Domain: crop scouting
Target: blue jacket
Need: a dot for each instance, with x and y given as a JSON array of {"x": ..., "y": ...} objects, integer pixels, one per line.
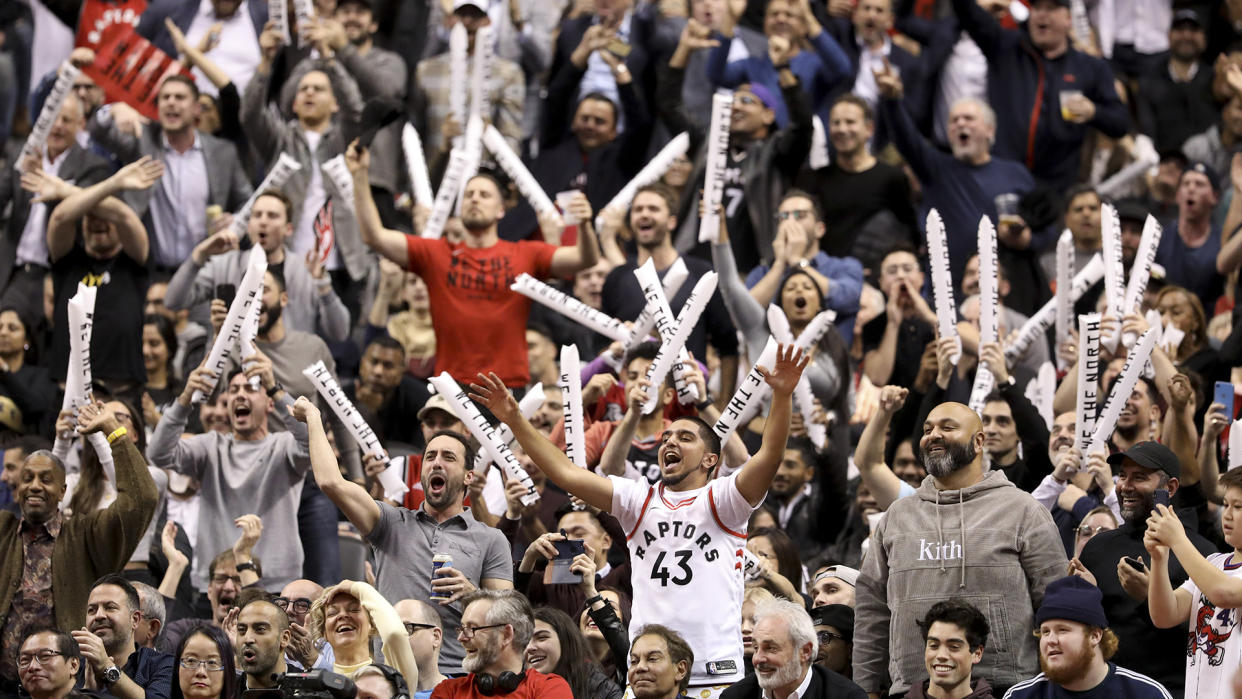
[
  {"x": 1024, "y": 89},
  {"x": 959, "y": 191},
  {"x": 819, "y": 72}
]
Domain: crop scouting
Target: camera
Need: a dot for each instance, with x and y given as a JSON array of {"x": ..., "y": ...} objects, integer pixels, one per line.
[{"x": 316, "y": 684}]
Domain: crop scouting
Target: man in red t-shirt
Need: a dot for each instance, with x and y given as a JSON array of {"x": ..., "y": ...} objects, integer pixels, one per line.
[
  {"x": 480, "y": 323},
  {"x": 495, "y": 627}
]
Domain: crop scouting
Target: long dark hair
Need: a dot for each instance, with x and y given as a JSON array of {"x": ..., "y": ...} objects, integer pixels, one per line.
[
  {"x": 91, "y": 479},
  {"x": 788, "y": 562},
  {"x": 168, "y": 333},
  {"x": 576, "y": 661},
  {"x": 30, "y": 353},
  {"x": 223, "y": 645}
]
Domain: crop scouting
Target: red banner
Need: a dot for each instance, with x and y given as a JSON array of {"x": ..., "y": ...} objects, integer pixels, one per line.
[
  {"x": 99, "y": 18},
  {"x": 131, "y": 69}
]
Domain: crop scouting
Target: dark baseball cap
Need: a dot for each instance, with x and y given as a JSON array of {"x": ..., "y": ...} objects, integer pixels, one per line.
[
  {"x": 1131, "y": 209},
  {"x": 838, "y": 616},
  {"x": 1153, "y": 455},
  {"x": 1203, "y": 169},
  {"x": 1187, "y": 15}
]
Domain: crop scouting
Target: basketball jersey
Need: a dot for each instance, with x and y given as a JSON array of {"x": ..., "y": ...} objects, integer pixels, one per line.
[
  {"x": 1213, "y": 653},
  {"x": 686, "y": 561}
]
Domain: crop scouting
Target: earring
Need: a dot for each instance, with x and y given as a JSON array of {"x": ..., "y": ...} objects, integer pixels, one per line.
[{"x": 26, "y": 346}]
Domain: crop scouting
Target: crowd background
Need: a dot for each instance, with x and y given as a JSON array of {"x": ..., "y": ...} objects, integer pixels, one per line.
[{"x": 851, "y": 120}]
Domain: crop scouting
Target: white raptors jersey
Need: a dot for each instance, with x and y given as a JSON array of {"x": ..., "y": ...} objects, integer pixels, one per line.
[
  {"x": 686, "y": 561},
  {"x": 1213, "y": 653}
]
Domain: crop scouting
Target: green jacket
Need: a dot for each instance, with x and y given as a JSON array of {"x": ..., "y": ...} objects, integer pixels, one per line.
[{"x": 88, "y": 546}]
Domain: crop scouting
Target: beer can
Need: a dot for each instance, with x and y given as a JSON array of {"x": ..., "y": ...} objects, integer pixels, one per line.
[{"x": 438, "y": 561}]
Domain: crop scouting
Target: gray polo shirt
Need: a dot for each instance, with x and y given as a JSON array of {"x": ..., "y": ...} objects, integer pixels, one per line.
[{"x": 405, "y": 542}]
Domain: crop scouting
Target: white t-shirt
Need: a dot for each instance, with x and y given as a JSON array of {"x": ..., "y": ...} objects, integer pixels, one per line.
[
  {"x": 686, "y": 567},
  {"x": 1213, "y": 653}
]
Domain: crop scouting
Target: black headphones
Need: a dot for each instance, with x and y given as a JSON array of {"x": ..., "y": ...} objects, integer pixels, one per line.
[
  {"x": 488, "y": 684},
  {"x": 401, "y": 690}
]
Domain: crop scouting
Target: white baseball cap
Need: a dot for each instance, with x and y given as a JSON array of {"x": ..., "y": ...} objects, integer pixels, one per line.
[{"x": 480, "y": 5}]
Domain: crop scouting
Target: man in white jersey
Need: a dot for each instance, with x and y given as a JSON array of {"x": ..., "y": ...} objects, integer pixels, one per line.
[
  {"x": 685, "y": 549},
  {"x": 1211, "y": 597}
]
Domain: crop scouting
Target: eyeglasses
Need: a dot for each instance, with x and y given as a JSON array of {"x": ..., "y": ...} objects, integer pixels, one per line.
[
  {"x": 747, "y": 99},
  {"x": 826, "y": 637},
  {"x": 468, "y": 631},
  {"x": 222, "y": 578},
  {"x": 301, "y": 605},
  {"x": 212, "y": 665},
  {"x": 1089, "y": 531},
  {"x": 795, "y": 214},
  {"x": 44, "y": 657},
  {"x": 412, "y": 628}
]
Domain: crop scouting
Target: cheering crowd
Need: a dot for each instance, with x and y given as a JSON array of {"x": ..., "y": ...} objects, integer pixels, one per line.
[{"x": 603, "y": 348}]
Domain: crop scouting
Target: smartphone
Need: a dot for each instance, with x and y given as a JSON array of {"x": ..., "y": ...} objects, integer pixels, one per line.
[
  {"x": 1161, "y": 497},
  {"x": 1136, "y": 563},
  {"x": 1224, "y": 396},
  {"x": 557, "y": 572},
  {"x": 226, "y": 292}
]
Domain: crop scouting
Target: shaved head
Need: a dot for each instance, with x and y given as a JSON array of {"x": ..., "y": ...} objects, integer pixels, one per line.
[{"x": 952, "y": 440}]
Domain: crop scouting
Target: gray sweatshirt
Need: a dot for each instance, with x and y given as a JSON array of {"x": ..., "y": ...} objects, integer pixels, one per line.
[
  {"x": 262, "y": 477},
  {"x": 307, "y": 310},
  {"x": 989, "y": 544}
]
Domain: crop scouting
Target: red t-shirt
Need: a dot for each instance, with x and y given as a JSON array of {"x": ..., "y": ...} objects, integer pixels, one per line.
[
  {"x": 480, "y": 323},
  {"x": 536, "y": 685}
]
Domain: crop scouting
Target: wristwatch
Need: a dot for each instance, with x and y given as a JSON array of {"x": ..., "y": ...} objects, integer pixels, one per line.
[
  {"x": 248, "y": 565},
  {"x": 111, "y": 675},
  {"x": 276, "y": 388}
]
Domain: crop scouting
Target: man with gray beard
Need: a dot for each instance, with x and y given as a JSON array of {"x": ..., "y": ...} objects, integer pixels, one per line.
[
  {"x": 786, "y": 646},
  {"x": 966, "y": 532}
]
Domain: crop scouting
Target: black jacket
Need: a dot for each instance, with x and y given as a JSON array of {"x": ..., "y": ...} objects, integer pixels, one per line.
[
  {"x": 825, "y": 683},
  {"x": 1159, "y": 653}
]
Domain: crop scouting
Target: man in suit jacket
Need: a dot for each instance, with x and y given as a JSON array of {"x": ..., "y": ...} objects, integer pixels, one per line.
[
  {"x": 23, "y": 247},
  {"x": 785, "y": 650},
  {"x": 200, "y": 171}
]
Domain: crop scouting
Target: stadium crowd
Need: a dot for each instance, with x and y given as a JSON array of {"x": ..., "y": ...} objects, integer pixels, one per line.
[{"x": 283, "y": 395}]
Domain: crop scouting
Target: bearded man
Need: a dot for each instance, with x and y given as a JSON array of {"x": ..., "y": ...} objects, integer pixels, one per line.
[{"x": 966, "y": 533}]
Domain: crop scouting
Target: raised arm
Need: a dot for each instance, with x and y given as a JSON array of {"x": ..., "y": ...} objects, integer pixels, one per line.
[
  {"x": 567, "y": 260},
  {"x": 359, "y": 508},
  {"x": 1214, "y": 422},
  {"x": 192, "y": 56},
  {"x": 391, "y": 631},
  {"x": 594, "y": 490},
  {"x": 98, "y": 200},
  {"x": 612, "y": 462},
  {"x": 880, "y": 480},
  {"x": 755, "y": 477},
  {"x": 385, "y": 241},
  {"x": 1165, "y": 530}
]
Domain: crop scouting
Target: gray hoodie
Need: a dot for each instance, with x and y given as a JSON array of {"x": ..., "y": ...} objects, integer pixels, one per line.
[{"x": 990, "y": 544}]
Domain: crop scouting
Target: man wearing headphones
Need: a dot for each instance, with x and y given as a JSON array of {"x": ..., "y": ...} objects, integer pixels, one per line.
[{"x": 495, "y": 627}]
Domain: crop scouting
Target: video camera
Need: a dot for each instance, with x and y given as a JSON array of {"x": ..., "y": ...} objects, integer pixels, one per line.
[{"x": 316, "y": 684}]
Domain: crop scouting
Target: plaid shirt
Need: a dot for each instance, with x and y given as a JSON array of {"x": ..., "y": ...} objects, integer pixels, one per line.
[{"x": 507, "y": 98}]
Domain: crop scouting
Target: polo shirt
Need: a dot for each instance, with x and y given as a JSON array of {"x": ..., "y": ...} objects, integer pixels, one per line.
[{"x": 405, "y": 541}]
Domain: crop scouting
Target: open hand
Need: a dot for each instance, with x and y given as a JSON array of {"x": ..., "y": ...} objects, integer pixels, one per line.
[
  {"x": 251, "y": 529},
  {"x": 492, "y": 394},
  {"x": 787, "y": 370},
  {"x": 140, "y": 174}
]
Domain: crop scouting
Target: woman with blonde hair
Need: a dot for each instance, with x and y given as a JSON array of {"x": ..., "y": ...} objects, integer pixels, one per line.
[{"x": 347, "y": 615}]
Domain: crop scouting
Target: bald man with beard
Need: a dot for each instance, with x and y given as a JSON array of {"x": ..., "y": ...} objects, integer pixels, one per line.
[{"x": 968, "y": 533}]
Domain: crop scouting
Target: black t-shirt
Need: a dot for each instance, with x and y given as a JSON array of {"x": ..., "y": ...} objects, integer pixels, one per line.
[
  {"x": 849, "y": 200},
  {"x": 737, "y": 215},
  {"x": 116, "y": 336},
  {"x": 912, "y": 340},
  {"x": 622, "y": 298}
]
